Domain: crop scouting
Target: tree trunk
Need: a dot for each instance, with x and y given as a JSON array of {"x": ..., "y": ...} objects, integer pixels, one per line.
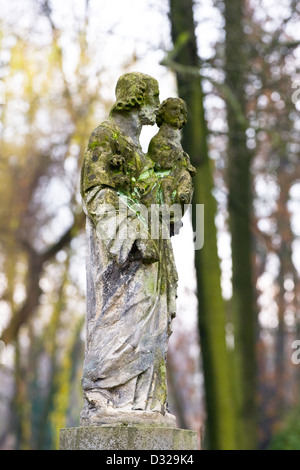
[
  {"x": 239, "y": 207},
  {"x": 219, "y": 406}
]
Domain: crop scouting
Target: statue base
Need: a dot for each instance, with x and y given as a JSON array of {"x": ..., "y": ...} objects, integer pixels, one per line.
[
  {"x": 117, "y": 417},
  {"x": 127, "y": 438}
]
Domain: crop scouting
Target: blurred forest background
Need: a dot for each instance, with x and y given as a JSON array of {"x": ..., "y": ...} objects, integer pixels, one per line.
[{"x": 233, "y": 366}]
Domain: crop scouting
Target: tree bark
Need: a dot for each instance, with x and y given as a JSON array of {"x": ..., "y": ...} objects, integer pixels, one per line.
[{"x": 240, "y": 208}]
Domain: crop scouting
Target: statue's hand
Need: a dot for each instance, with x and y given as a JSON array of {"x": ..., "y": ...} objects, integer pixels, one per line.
[
  {"x": 147, "y": 250},
  {"x": 117, "y": 161},
  {"x": 184, "y": 197}
]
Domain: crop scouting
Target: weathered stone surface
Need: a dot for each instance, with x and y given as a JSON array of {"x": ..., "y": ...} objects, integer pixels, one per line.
[
  {"x": 117, "y": 417},
  {"x": 172, "y": 164},
  {"x": 127, "y": 438},
  {"x": 131, "y": 279}
]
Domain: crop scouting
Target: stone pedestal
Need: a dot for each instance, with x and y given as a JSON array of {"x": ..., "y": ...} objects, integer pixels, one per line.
[{"x": 127, "y": 438}]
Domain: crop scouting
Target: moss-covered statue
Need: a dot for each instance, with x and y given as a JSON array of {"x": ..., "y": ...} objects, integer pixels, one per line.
[
  {"x": 172, "y": 164},
  {"x": 131, "y": 275}
]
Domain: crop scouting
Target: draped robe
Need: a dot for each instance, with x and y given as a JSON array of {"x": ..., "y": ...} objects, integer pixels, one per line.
[{"x": 131, "y": 282}]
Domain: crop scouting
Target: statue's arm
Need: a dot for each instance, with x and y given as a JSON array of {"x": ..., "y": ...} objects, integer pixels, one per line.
[
  {"x": 119, "y": 227},
  {"x": 117, "y": 223}
]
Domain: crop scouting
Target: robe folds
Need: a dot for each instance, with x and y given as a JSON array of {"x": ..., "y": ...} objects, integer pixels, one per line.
[{"x": 131, "y": 283}]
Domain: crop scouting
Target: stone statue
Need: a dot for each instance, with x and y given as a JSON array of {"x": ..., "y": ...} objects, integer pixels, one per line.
[
  {"x": 172, "y": 164},
  {"x": 131, "y": 279}
]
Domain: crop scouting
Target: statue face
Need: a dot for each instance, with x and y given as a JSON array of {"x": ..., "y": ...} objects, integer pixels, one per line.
[
  {"x": 178, "y": 118},
  {"x": 150, "y": 107},
  {"x": 176, "y": 115}
]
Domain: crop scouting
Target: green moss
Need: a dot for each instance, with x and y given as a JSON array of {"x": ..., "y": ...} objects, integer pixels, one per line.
[
  {"x": 151, "y": 284},
  {"x": 93, "y": 145},
  {"x": 160, "y": 392},
  {"x": 162, "y": 173},
  {"x": 144, "y": 176},
  {"x": 159, "y": 196},
  {"x": 131, "y": 91}
]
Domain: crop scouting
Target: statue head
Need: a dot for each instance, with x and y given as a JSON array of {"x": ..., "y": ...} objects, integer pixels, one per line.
[
  {"x": 135, "y": 90},
  {"x": 172, "y": 111}
]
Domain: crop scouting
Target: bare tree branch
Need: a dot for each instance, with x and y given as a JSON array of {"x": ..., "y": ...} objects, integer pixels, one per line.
[{"x": 35, "y": 271}]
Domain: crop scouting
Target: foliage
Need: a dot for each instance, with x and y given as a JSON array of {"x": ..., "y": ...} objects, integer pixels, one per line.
[{"x": 288, "y": 437}]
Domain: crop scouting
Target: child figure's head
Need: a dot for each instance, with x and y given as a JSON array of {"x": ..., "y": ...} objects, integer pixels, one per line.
[{"x": 172, "y": 111}]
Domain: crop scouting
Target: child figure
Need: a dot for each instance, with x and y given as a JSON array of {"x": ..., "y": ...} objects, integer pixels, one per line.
[{"x": 172, "y": 164}]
